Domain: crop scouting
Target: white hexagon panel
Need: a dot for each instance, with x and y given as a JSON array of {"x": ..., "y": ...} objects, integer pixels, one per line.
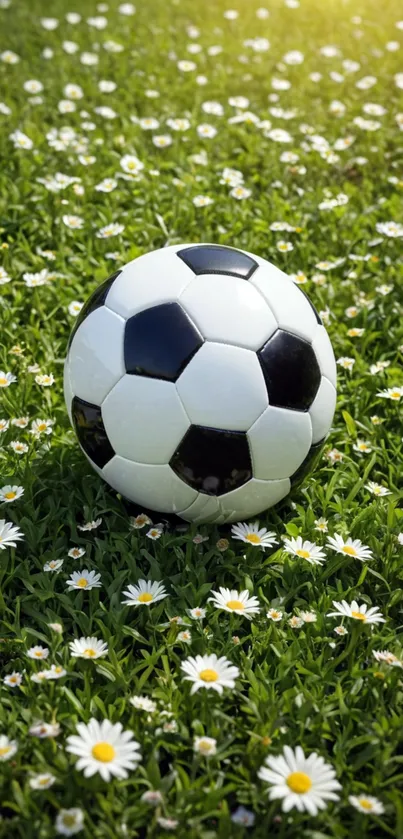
[
  {"x": 229, "y": 310},
  {"x": 149, "y": 281},
  {"x": 223, "y": 387},
  {"x": 96, "y": 355},
  {"x": 144, "y": 419}
]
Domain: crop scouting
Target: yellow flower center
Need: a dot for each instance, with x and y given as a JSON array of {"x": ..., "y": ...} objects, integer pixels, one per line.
[
  {"x": 4, "y": 750},
  {"x": 3, "y": 380},
  {"x": 58, "y": 669},
  {"x": 44, "y": 781},
  {"x": 299, "y": 782},
  {"x": 253, "y": 538},
  {"x": 359, "y": 616},
  {"x": 394, "y": 395},
  {"x": 89, "y": 652},
  {"x": 82, "y": 582},
  {"x": 69, "y": 821},
  {"x": 38, "y": 653},
  {"x": 349, "y": 550},
  {"x": 103, "y": 752},
  {"x": 304, "y": 554},
  {"x": 42, "y": 426},
  {"x": 275, "y": 614},
  {"x": 145, "y": 597},
  {"x": 10, "y": 495},
  {"x": 235, "y": 604},
  {"x": 205, "y": 746},
  {"x": 208, "y": 675},
  {"x": 367, "y": 805}
]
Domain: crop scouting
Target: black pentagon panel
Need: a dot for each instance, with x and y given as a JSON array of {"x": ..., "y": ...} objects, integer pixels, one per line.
[
  {"x": 217, "y": 259},
  {"x": 315, "y": 311},
  {"x": 308, "y": 464},
  {"x": 159, "y": 342},
  {"x": 96, "y": 300},
  {"x": 91, "y": 432},
  {"x": 291, "y": 371},
  {"x": 213, "y": 461}
]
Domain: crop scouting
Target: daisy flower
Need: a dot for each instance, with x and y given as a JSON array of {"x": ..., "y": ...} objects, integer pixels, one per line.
[
  {"x": 387, "y": 657},
  {"x": 38, "y": 652},
  {"x": 7, "y": 379},
  {"x": 105, "y": 748},
  {"x": 377, "y": 489},
  {"x": 362, "y": 446},
  {"x": 346, "y": 362},
  {"x": 251, "y": 534},
  {"x": 57, "y": 627},
  {"x": 13, "y": 680},
  {"x": 274, "y": 615},
  {"x": 349, "y": 547},
  {"x": 295, "y": 622},
  {"x": 42, "y": 781},
  {"x": 8, "y": 747},
  {"x": 321, "y": 525},
  {"x": 56, "y": 671},
  {"x": 144, "y": 593},
  {"x": 109, "y": 230},
  {"x": 308, "y": 617},
  {"x": 185, "y": 636},
  {"x": 69, "y": 822},
  {"x": 44, "y": 729},
  {"x": 367, "y": 804},
  {"x": 88, "y": 647},
  {"x": 139, "y": 521},
  {"x": 53, "y": 565},
  {"x": 89, "y": 525},
  {"x": 38, "y": 677},
  {"x": 208, "y": 671},
  {"x": 45, "y": 379},
  {"x": 9, "y": 535},
  {"x": 233, "y": 601},
  {"x": 73, "y": 222},
  {"x": 202, "y": 200},
  {"x": 10, "y": 493},
  {"x": 131, "y": 164},
  {"x": 341, "y": 630},
  {"x": 84, "y": 579},
  {"x": 307, "y": 550},
  {"x": 197, "y": 613},
  {"x": 206, "y": 746},
  {"x": 394, "y": 393},
  {"x": 20, "y": 422},
  {"x": 143, "y": 703},
  {"x": 18, "y": 447},
  {"x": 358, "y": 613},
  {"x": 199, "y": 539},
  {"x": 306, "y": 783},
  {"x": 154, "y": 533},
  {"x": 41, "y": 426},
  {"x": 76, "y": 553}
]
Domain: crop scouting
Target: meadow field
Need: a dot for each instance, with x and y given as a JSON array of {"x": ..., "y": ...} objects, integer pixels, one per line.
[{"x": 209, "y": 683}]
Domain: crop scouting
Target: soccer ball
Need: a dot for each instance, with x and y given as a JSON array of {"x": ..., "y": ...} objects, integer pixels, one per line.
[{"x": 200, "y": 381}]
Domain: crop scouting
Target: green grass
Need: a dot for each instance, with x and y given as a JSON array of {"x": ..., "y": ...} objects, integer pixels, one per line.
[{"x": 303, "y": 686}]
